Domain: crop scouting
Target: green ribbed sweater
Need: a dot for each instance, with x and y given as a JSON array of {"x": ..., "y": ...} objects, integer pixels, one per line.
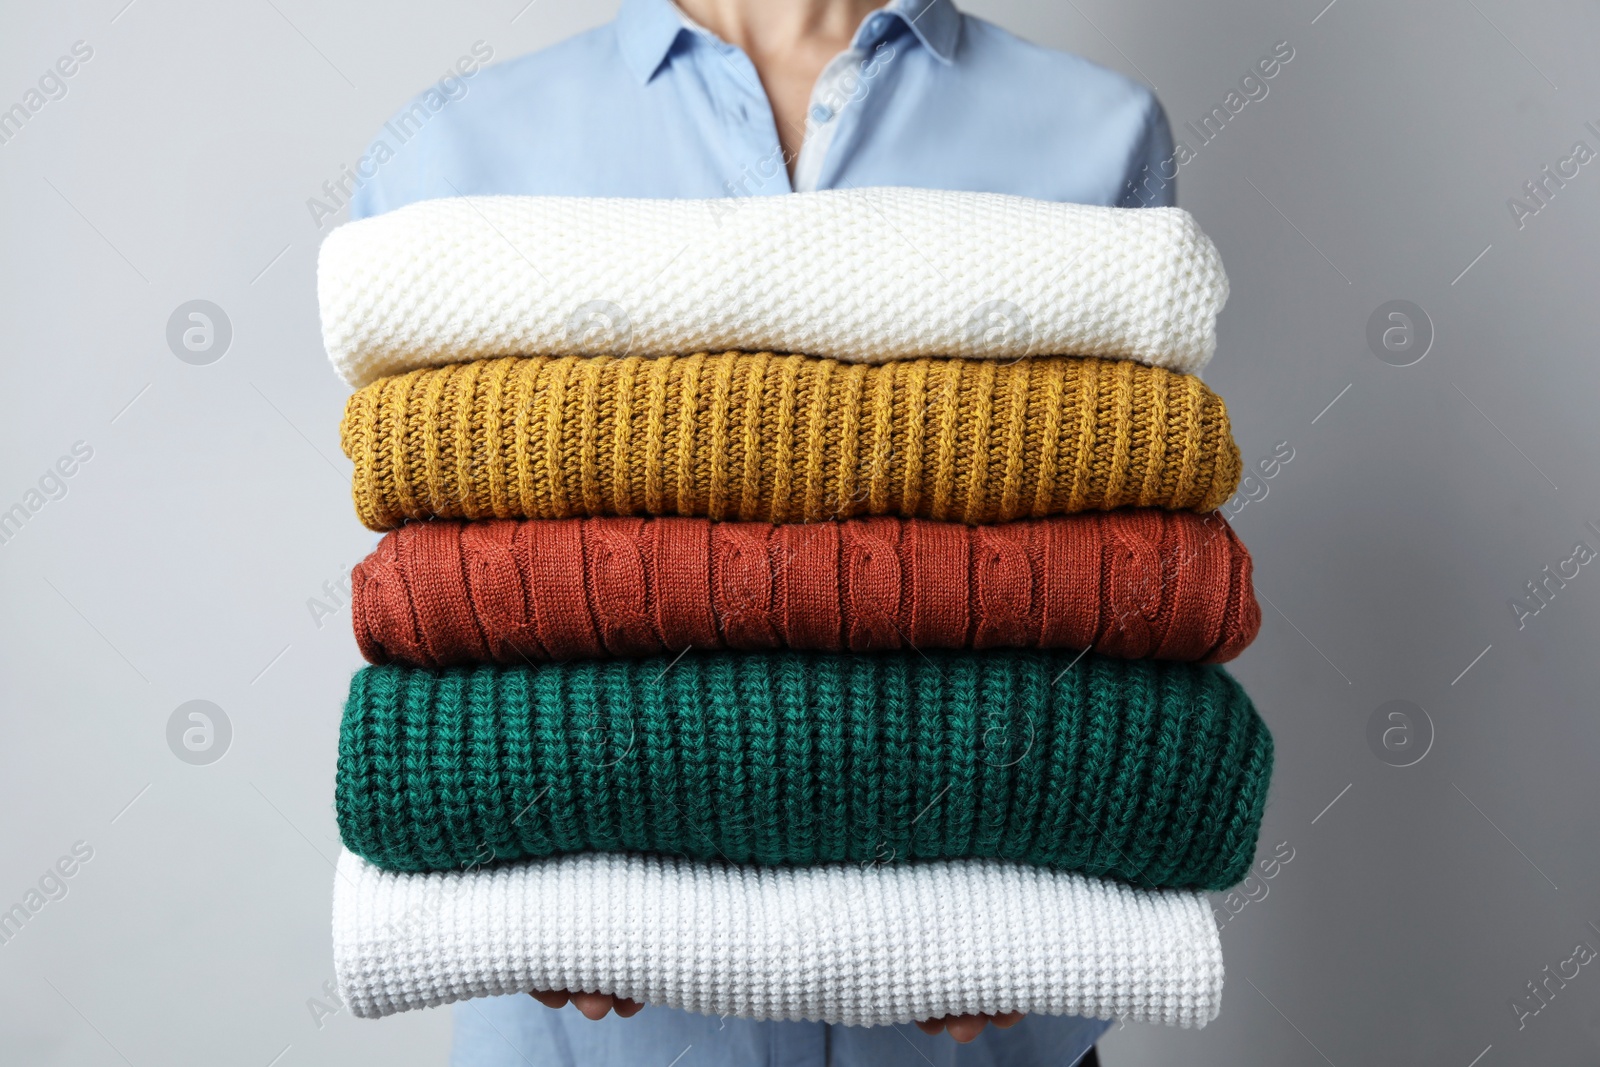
[{"x": 1148, "y": 771}]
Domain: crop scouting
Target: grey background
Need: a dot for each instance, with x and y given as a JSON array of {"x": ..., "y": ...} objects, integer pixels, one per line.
[{"x": 179, "y": 564}]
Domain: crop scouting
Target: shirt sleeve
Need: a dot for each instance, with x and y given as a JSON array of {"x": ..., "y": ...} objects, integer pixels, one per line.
[
  {"x": 1152, "y": 169},
  {"x": 396, "y": 177},
  {"x": 401, "y": 164}
]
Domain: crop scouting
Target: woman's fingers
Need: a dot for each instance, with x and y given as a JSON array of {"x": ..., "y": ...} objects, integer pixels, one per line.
[
  {"x": 966, "y": 1027},
  {"x": 551, "y": 998},
  {"x": 963, "y": 1028},
  {"x": 593, "y": 1005}
]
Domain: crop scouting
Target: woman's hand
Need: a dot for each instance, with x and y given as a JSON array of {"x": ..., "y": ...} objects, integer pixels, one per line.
[
  {"x": 966, "y": 1027},
  {"x": 963, "y": 1028},
  {"x": 593, "y": 1005}
]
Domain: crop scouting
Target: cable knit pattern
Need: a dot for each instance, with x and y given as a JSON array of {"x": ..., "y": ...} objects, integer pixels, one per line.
[
  {"x": 785, "y": 439},
  {"x": 858, "y": 945},
  {"x": 1136, "y": 583},
  {"x": 864, "y": 275},
  {"x": 1148, "y": 771}
]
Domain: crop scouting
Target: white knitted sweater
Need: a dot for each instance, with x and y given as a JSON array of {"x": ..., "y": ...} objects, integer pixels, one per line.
[
  {"x": 865, "y": 275},
  {"x": 840, "y": 943}
]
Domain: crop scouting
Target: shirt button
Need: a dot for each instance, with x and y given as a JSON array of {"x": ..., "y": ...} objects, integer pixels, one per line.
[{"x": 821, "y": 113}]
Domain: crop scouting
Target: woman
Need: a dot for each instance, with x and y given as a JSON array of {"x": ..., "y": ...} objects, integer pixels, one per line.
[{"x": 715, "y": 98}]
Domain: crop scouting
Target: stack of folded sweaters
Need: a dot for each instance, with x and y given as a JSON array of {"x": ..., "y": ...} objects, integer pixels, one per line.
[{"x": 814, "y": 612}]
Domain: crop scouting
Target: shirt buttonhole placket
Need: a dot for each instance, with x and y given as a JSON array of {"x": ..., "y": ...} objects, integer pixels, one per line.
[{"x": 828, "y": 101}]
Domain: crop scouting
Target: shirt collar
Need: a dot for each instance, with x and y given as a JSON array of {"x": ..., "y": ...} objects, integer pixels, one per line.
[
  {"x": 936, "y": 23},
  {"x": 647, "y": 30}
]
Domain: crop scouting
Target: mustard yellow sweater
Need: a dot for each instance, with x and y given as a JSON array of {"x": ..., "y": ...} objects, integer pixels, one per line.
[{"x": 784, "y": 439}]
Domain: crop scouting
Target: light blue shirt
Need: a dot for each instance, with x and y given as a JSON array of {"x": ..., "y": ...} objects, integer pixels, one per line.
[
  {"x": 651, "y": 105},
  {"x": 647, "y": 105}
]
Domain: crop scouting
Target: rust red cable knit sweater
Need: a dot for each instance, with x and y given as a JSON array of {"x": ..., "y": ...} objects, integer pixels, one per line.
[{"x": 1134, "y": 584}]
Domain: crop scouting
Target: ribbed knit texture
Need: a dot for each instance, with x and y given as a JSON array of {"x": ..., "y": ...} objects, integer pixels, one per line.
[
  {"x": 859, "y": 944},
  {"x": 1135, "y": 583},
  {"x": 855, "y": 274},
  {"x": 785, "y": 439},
  {"x": 1152, "y": 772}
]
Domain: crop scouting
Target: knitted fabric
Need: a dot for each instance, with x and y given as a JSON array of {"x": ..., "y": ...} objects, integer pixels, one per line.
[
  {"x": 1149, "y": 771},
  {"x": 860, "y": 945},
  {"x": 785, "y": 439},
  {"x": 864, "y": 275},
  {"x": 1136, "y": 583}
]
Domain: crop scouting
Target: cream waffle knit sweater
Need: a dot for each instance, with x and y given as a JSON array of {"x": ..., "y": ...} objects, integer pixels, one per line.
[
  {"x": 864, "y": 275},
  {"x": 867, "y": 945}
]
